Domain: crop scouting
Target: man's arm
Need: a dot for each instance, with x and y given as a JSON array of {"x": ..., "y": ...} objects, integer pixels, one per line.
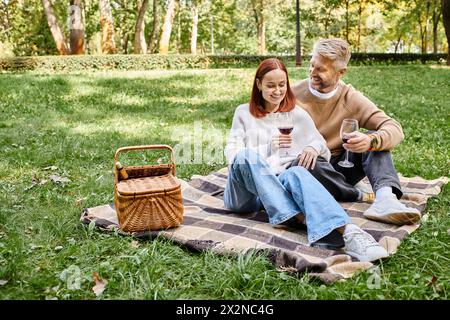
[{"x": 389, "y": 132}]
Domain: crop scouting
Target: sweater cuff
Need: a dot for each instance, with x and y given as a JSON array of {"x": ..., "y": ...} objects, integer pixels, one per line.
[{"x": 320, "y": 149}]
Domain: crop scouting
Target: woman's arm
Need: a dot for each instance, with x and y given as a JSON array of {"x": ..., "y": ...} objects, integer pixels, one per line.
[{"x": 239, "y": 135}]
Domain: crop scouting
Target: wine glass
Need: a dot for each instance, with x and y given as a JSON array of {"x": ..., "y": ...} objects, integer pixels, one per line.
[
  {"x": 285, "y": 125},
  {"x": 348, "y": 126}
]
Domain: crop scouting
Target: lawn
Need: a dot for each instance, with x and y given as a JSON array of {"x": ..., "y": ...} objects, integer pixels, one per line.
[{"x": 67, "y": 127}]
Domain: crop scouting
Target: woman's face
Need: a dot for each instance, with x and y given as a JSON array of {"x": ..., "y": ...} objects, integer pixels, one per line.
[{"x": 273, "y": 86}]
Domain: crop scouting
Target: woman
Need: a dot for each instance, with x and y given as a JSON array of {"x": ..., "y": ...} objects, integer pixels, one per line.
[{"x": 259, "y": 173}]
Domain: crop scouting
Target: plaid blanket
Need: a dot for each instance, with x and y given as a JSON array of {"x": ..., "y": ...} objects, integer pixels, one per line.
[{"x": 209, "y": 226}]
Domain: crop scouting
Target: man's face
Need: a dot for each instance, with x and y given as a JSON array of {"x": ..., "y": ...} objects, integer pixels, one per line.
[{"x": 323, "y": 74}]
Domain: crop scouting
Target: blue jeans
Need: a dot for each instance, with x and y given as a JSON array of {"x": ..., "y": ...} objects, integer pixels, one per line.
[{"x": 252, "y": 186}]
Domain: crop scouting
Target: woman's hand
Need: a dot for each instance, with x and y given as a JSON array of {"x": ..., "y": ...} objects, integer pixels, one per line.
[
  {"x": 308, "y": 158},
  {"x": 281, "y": 141}
]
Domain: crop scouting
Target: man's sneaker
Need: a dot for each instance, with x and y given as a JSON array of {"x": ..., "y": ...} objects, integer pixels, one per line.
[
  {"x": 390, "y": 210},
  {"x": 361, "y": 245}
]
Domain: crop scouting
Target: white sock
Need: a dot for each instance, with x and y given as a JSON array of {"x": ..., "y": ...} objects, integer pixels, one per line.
[
  {"x": 383, "y": 192},
  {"x": 360, "y": 195}
]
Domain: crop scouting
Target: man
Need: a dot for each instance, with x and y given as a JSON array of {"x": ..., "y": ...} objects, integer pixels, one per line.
[{"x": 329, "y": 101}]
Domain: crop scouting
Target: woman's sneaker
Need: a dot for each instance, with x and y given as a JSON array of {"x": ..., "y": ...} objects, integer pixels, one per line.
[
  {"x": 361, "y": 245},
  {"x": 390, "y": 210}
]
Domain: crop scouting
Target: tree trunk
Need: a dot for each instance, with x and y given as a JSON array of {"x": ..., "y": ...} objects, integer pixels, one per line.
[
  {"x": 152, "y": 41},
  {"x": 140, "y": 46},
  {"x": 427, "y": 21},
  {"x": 6, "y": 22},
  {"x": 77, "y": 45},
  {"x": 446, "y": 20},
  {"x": 346, "y": 21},
  {"x": 194, "y": 30},
  {"x": 258, "y": 7},
  {"x": 167, "y": 27},
  {"x": 436, "y": 17},
  {"x": 397, "y": 43},
  {"x": 54, "y": 28},
  {"x": 360, "y": 11},
  {"x": 211, "y": 31},
  {"x": 107, "y": 26}
]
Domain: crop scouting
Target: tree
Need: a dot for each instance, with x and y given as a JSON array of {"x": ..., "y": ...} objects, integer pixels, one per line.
[
  {"x": 446, "y": 20},
  {"x": 194, "y": 29},
  {"x": 54, "y": 28},
  {"x": 140, "y": 46},
  {"x": 258, "y": 9},
  {"x": 76, "y": 28},
  {"x": 437, "y": 11},
  {"x": 153, "y": 39},
  {"x": 167, "y": 27},
  {"x": 107, "y": 27}
]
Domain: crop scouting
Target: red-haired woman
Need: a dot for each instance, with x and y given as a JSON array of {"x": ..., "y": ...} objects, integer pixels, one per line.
[{"x": 261, "y": 177}]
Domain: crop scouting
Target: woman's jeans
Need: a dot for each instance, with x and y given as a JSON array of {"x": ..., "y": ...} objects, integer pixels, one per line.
[{"x": 252, "y": 186}]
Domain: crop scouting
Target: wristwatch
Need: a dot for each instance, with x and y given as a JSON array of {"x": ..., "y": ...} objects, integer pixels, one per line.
[{"x": 374, "y": 142}]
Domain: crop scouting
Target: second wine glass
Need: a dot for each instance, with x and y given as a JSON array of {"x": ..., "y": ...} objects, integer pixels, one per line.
[{"x": 348, "y": 126}]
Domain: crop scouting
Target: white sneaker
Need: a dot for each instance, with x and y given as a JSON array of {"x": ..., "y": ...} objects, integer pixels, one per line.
[
  {"x": 361, "y": 245},
  {"x": 390, "y": 210}
]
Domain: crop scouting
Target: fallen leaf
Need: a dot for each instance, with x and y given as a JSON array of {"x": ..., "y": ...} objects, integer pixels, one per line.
[
  {"x": 57, "y": 179},
  {"x": 100, "y": 284},
  {"x": 135, "y": 244},
  {"x": 3, "y": 282},
  {"x": 287, "y": 269},
  {"x": 432, "y": 281},
  {"x": 79, "y": 201},
  {"x": 52, "y": 168}
]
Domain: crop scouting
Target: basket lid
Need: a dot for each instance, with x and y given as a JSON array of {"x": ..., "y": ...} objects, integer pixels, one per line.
[{"x": 147, "y": 185}]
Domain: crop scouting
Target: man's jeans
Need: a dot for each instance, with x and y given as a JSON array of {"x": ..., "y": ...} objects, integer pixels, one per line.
[
  {"x": 376, "y": 165},
  {"x": 252, "y": 186}
]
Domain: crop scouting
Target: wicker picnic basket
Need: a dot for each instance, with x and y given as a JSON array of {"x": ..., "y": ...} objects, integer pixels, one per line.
[{"x": 147, "y": 197}]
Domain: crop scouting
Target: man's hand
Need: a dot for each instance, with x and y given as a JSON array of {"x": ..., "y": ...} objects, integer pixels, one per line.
[
  {"x": 358, "y": 142},
  {"x": 308, "y": 158},
  {"x": 281, "y": 141}
]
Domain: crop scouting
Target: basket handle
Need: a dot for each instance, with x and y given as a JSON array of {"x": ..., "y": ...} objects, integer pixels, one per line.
[{"x": 147, "y": 147}]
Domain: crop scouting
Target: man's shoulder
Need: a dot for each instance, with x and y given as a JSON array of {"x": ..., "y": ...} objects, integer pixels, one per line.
[
  {"x": 299, "y": 87},
  {"x": 354, "y": 97}
]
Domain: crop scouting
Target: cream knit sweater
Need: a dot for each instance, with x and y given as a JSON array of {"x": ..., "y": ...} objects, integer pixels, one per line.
[{"x": 256, "y": 134}]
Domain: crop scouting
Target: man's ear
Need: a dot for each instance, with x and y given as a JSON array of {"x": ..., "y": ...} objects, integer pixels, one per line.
[{"x": 342, "y": 72}]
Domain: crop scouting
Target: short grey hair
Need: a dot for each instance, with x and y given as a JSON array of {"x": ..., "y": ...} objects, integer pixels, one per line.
[{"x": 334, "y": 49}]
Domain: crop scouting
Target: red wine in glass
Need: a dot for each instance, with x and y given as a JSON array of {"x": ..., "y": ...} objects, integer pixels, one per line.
[
  {"x": 348, "y": 126},
  {"x": 345, "y": 138},
  {"x": 286, "y": 130}
]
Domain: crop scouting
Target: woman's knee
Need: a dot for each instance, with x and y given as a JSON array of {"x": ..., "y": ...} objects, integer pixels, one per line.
[{"x": 246, "y": 156}]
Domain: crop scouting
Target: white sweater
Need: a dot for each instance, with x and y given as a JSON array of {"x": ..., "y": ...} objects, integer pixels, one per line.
[{"x": 256, "y": 134}]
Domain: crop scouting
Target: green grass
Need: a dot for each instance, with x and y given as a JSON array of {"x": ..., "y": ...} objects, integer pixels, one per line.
[{"x": 75, "y": 122}]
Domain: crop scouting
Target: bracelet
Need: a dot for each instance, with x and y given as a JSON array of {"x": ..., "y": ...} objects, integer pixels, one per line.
[{"x": 374, "y": 142}]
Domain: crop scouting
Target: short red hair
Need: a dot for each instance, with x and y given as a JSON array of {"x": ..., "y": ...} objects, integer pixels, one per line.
[{"x": 257, "y": 100}]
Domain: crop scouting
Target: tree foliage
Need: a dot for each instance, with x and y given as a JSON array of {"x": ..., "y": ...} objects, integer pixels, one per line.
[{"x": 228, "y": 26}]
